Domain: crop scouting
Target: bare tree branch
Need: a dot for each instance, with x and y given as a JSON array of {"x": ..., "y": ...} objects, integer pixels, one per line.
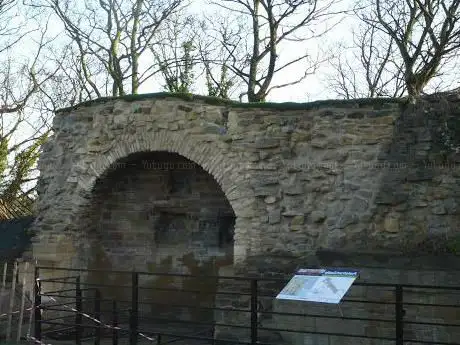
[
  {"x": 269, "y": 24},
  {"x": 110, "y": 37},
  {"x": 426, "y": 34}
]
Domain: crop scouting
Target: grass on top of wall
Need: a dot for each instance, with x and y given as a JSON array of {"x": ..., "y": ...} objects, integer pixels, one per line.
[{"x": 342, "y": 103}]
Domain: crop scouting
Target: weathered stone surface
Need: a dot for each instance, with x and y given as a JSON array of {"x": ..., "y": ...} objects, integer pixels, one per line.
[
  {"x": 351, "y": 177},
  {"x": 318, "y": 216},
  {"x": 270, "y": 199},
  {"x": 298, "y": 220},
  {"x": 391, "y": 223},
  {"x": 293, "y": 190},
  {"x": 274, "y": 217},
  {"x": 267, "y": 143},
  {"x": 264, "y": 191},
  {"x": 292, "y": 213},
  {"x": 360, "y": 176}
]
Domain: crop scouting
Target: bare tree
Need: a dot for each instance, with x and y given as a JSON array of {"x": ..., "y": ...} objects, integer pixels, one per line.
[
  {"x": 218, "y": 84},
  {"x": 10, "y": 32},
  {"x": 20, "y": 77},
  {"x": 110, "y": 38},
  {"x": 270, "y": 24},
  {"x": 176, "y": 54},
  {"x": 217, "y": 57},
  {"x": 426, "y": 33},
  {"x": 371, "y": 67},
  {"x": 22, "y": 73},
  {"x": 186, "y": 52}
]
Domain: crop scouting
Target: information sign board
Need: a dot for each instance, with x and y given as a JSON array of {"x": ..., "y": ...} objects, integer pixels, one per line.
[{"x": 319, "y": 285}]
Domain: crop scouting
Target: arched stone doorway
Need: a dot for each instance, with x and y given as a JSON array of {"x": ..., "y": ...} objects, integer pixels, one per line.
[
  {"x": 71, "y": 165},
  {"x": 159, "y": 211},
  {"x": 225, "y": 173}
]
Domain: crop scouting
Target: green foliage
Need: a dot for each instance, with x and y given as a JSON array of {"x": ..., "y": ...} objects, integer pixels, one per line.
[
  {"x": 180, "y": 77},
  {"x": 453, "y": 245},
  {"x": 222, "y": 88},
  {"x": 18, "y": 173},
  {"x": 3, "y": 156}
]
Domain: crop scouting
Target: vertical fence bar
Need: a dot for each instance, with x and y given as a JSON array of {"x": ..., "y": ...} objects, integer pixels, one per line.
[
  {"x": 134, "y": 321},
  {"x": 114, "y": 323},
  {"x": 399, "y": 311},
  {"x": 97, "y": 316},
  {"x": 2, "y": 291},
  {"x": 37, "y": 305},
  {"x": 12, "y": 300},
  {"x": 78, "y": 315},
  {"x": 23, "y": 302},
  {"x": 254, "y": 311}
]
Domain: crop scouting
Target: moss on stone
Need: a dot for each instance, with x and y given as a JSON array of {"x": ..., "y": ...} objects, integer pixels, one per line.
[
  {"x": 342, "y": 103},
  {"x": 453, "y": 245}
]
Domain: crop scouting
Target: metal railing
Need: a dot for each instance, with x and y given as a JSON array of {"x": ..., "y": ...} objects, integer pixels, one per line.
[{"x": 239, "y": 310}]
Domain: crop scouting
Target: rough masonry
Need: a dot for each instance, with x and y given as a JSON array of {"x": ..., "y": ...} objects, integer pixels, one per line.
[
  {"x": 190, "y": 184},
  {"x": 298, "y": 178}
]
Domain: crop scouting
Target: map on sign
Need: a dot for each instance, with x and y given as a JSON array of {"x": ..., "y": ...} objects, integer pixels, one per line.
[{"x": 318, "y": 285}]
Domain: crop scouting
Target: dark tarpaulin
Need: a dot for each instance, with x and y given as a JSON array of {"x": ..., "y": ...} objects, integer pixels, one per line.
[{"x": 14, "y": 237}]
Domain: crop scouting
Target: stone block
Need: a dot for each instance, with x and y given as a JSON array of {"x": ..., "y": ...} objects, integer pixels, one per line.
[
  {"x": 270, "y": 199},
  {"x": 391, "y": 222},
  {"x": 347, "y": 219},
  {"x": 297, "y": 220},
  {"x": 274, "y": 216},
  {"x": 294, "y": 189},
  {"x": 318, "y": 216},
  {"x": 267, "y": 143}
]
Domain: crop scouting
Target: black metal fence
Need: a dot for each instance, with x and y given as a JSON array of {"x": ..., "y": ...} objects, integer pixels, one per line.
[{"x": 150, "y": 308}]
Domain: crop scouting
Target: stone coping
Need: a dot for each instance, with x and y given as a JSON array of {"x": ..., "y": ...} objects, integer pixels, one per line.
[{"x": 341, "y": 103}]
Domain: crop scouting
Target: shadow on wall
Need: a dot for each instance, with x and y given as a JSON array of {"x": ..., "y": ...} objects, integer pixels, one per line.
[
  {"x": 159, "y": 212},
  {"x": 161, "y": 295},
  {"x": 15, "y": 239},
  {"x": 420, "y": 190}
]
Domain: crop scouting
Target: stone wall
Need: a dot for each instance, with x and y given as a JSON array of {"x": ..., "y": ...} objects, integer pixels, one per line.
[
  {"x": 351, "y": 176},
  {"x": 365, "y": 176}
]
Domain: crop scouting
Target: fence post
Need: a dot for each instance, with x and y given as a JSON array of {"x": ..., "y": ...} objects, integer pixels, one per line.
[
  {"x": 399, "y": 311},
  {"x": 2, "y": 291},
  {"x": 114, "y": 323},
  {"x": 78, "y": 315},
  {"x": 134, "y": 321},
  {"x": 23, "y": 301},
  {"x": 12, "y": 300},
  {"x": 254, "y": 311},
  {"x": 37, "y": 305},
  {"x": 97, "y": 315}
]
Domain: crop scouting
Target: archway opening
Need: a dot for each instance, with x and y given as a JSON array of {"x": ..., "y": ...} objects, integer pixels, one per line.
[{"x": 159, "y": 212}]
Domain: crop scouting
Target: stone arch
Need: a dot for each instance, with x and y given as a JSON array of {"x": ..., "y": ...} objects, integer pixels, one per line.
[{"x": 226, "y": 171}]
